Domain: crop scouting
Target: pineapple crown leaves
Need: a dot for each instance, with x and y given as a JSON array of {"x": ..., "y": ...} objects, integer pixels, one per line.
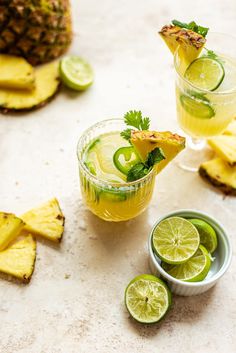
[
  {"x": 192, "y": 26},
  {"x": 135, "y": 119}
]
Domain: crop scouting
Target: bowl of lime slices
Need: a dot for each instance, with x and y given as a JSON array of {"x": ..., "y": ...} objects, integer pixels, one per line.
[{"x": 190, "y": 250}]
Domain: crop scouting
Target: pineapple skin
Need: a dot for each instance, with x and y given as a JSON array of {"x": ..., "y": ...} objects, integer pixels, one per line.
[
  {"x": 219, "y": 174},
  {"x": 39, "y": 31},
  {"x": 10, "y": 227}
]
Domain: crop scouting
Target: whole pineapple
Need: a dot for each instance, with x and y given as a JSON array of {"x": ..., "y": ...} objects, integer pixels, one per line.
[{"x": 39, "y": 30}]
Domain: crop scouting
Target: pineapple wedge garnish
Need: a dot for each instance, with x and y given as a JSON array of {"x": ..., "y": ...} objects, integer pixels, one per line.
[
  {"x": 16, "y": 73},
  {"x": 220, "y": 174},
  {"x": 18, "y": 260},
  {"x": 10, "y": 227},
  {"x": 145, "y": 141},
  {"x": 225, "y": 147},
  {"x": 231, "y": 129},
  {"x": 189, "y": 42},
  {"x": 46, "y": 220}
]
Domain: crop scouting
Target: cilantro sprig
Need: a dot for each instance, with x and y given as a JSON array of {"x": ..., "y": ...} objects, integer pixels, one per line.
[
  {"x": 212, "y": 55},
  {"x": 141, "y": 169},
  {"x": 135, "y": 119},
  {"x": 192, "y": 26}
]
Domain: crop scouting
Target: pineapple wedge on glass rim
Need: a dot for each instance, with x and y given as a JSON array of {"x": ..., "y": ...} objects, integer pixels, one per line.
[
  {"x": 189, "y": 42},
  {"x": 46, "y": 220},
  {"x": 145, "y": 141},
  {"x": 10, "y": 227},
  {"x": 18, "y": 259}
]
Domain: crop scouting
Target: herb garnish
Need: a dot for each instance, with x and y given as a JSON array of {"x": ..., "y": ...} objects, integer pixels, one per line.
[
  {"x": 212, "y": 55},
  {"x": 134, "y": 118},
  {"x": 141, "y": 169},
  {"x": 192, "y": 26}
]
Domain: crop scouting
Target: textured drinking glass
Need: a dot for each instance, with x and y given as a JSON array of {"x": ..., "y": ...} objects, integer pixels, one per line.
[{"x": 112, "y": 201}]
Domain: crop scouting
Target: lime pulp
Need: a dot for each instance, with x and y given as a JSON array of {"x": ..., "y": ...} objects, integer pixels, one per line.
[
  {"x": 76, "y": 73},
  {"x": 208, "y": 236},
  {"x": 147, "y": 299},
  {"x": 199, "y": 108}
]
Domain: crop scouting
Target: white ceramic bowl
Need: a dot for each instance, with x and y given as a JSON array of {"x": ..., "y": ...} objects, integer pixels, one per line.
[{"x": 222, "y": 255}]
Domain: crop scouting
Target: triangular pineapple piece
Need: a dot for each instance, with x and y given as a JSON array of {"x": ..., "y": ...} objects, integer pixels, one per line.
[
  {"x": 10, "y": 227},
  {"x": 225, "y": 147},
  {"x": 231, "y": 129},
  {"x": 46, "y": 220},
  {"x": 145, "y": 141},
  {"x": 220, "y": 174},
  {"x": 18, "y": 260},
  {"x": 189, "y": 42},
  {"x": 16, "y": 73}
]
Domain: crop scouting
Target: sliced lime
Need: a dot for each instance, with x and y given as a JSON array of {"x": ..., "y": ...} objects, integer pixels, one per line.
[
  {"x": 194, "y": 270},
  {"x": 76, "y": 73},
  {"x": 175, "y": 240},
  {"x": 208, "y": 236},
  {"x": 201, "y": 109},
  {"x": 125, "y": 158},
  {"x": 147, "y": 299},
  {"x": 205, "y": 73}
]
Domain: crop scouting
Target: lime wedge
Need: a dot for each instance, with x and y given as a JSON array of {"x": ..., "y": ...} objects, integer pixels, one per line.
[
  {"x": 205, "y": 73},
  {"x": 194, "y": 270},
  {"x": 76, "y": 73},
  {"x": 200, "y": 109},
  {"x": 147, "y": 299},
  {"x": 208, "y": 236},
  {"x": 175, "y": 240}
]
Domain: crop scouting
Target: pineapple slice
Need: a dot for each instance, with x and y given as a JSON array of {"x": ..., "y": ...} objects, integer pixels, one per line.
[
  {"x": 16, "y": 73},
  {"x": 189, "y": 42},
  {"x": 231, "y": 129},
  {"x": 18, "y": 260},
  {"x": 10, "y": 227},
  {"x": 46, "y": 85},
  {"x": 46, "y": 220},
  {"x": 220, "y": 174},
  {"x": 225, "y": 147},
  {"x": 145, "y": 141}
]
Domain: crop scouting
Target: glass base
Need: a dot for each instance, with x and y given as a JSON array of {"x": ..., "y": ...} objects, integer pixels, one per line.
[{"x": 195, "y": 153}]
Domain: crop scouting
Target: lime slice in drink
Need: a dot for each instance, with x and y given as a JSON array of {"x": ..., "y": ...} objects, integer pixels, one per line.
[
  {"x": 205, "y": 73},
  {"x": 175, "y": 240},
  {"x": 147, "y": 299},
  {"x": 194, "y": 270},
  {"x": 208, "y": 236},
  {"x": 199, "y": 108},
  {"x": 76, "y": 73}
]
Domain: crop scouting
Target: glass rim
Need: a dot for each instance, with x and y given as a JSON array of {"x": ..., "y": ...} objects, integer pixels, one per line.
[
  {"x": 96, "y": 179},
  {"x": 192, "y": 85}
]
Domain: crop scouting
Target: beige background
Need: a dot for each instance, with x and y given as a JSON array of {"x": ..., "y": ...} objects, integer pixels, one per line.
[{"x": 74, "y": 302}]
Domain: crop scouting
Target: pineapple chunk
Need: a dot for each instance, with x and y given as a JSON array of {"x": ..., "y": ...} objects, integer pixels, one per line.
[
  {"x": 190, "y": 43},
  {"x": 231, "y": 129},
  {"x": 146, "y": 141},
  {"x": 46, "y": 85},
  {"x": 18, "y": 260},
  {"x": 225, "y": 147},
  {"x": 16, "y": 73},
  {"x": 220, "y": 174},
  {"x": 10, "y": 227},
  {"x": 46, "y": 220}
]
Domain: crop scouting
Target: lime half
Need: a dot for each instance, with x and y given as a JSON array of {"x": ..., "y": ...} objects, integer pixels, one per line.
[
  {"x": 147, "y": 299},
  {"x": 76, "y": 73},
  {"x": 205, "y": 73},
  {"x": 194, "y": 270},
  {"x": 208, "y": 236},
  {"x": 175, "y": 240}
]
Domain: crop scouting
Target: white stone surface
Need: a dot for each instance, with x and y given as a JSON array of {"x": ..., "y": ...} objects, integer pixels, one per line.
[{"x": 85, "y": 312}]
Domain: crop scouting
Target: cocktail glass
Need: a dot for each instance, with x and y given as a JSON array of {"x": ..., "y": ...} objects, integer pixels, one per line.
[
  {"x": 108, "y": 200},
  {"x": 201, "y": 113}
]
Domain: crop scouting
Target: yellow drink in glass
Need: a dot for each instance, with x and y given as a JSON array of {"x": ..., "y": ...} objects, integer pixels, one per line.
[{"x": 104, "y": 188}]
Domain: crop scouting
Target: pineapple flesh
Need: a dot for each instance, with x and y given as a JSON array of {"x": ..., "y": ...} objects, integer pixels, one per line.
[
  {"x": 220, "y": 174},
  {"x": 46, "y": 220},
  {"x": 145, "y": 141},
  {"x": 18, "y": 260},
  {"x": 231, "y": 129},
  {"x": 47, "y": 83},
  {"x": 16, "y": 73},
  {"x": 189, "y": 42},
  {"x": 225, "y": 147},
  {"x": 10, "y": 227},
  {"x": 39, "y": 31}
]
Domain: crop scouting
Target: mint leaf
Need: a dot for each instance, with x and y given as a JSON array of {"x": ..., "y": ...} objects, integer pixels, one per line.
[
  {"x": 154, "y": 157},
  {"x": 192, "y": 26}
]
